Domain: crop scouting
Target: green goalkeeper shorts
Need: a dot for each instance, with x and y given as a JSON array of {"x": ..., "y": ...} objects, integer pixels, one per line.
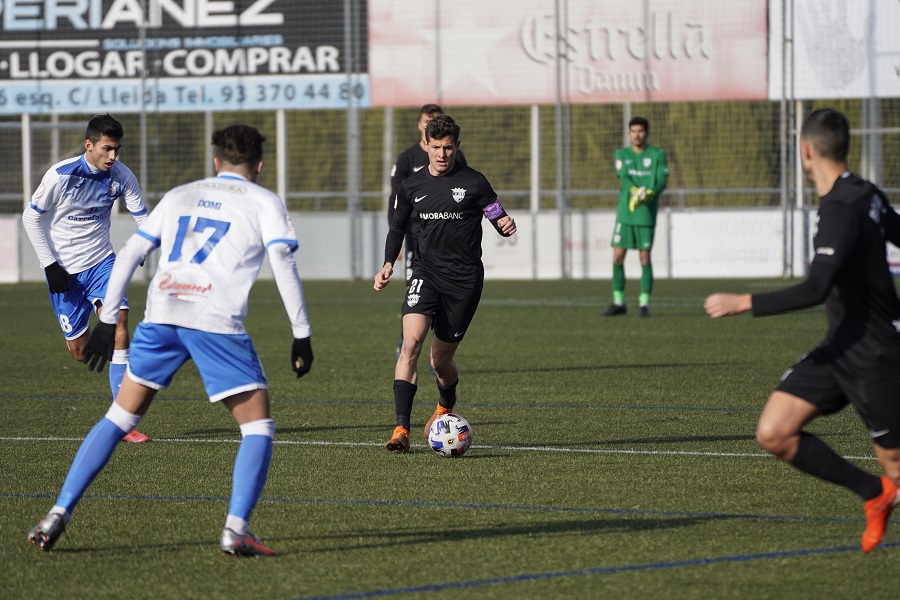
[{"x": 633, "y": 237}]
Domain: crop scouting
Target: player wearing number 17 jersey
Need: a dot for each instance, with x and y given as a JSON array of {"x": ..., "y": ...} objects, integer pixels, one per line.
[
  {"x": 451, "y": 200},
  {"x": 213, "y": 235}
]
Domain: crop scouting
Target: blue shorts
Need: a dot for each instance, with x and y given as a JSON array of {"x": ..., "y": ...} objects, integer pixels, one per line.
[
  {"x": 73, "y": 307},
  {"x": 228, "y": 364}
]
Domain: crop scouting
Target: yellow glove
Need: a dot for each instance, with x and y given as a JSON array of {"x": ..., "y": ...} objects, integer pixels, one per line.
[
  {"x": 633, "y": 198},
  {"x": 638, "y": 196}
]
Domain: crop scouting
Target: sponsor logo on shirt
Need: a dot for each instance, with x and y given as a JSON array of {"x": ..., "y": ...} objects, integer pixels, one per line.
[
  {"x": 438, "y": 216},
  {"x": 418, "y": 199},
  {"x": 459, "y": 194},
  {"x": 417, "y": 169},
  {"x": 91, "y": 217},
  {"x": 184, "y": 290},
  {"x": 825, "y": 251}
]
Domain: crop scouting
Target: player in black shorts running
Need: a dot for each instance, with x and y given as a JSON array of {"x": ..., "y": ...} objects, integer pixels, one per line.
[
  {"x": 858, "y": 362},
  {"x": 412, "y": 160},
  {"x": 450, "y": 200}
]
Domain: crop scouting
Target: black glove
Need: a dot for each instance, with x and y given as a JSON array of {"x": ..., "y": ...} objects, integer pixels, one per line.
[
  {"x": 57, "y": 278},
  {"x": 100, "y": 346},
  {"x": 301, "y": 352}
]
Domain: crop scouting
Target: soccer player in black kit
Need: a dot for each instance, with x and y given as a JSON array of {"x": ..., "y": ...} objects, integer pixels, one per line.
[
  {"x": 413, "y": 160},
  {"x": 450, "y": 200},
  {"x": 858, "y": 362}
]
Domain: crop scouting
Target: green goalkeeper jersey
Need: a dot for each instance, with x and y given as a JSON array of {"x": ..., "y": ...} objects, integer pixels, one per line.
[{"x": 649, "y": 170}]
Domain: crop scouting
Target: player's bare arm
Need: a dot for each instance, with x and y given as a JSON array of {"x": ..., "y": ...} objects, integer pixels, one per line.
[
  {"x": 724, "y": 305},
  {"x": 383, "y": 277}
]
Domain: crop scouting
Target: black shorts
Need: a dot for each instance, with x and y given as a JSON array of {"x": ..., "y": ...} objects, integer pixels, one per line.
[
  {"x": 452, "y": 306},
  {"x": 818, "y": 380}
]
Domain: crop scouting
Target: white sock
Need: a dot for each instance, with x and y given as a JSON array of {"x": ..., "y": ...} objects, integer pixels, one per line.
[
  {"x": 59, "y": 510},
  {"x": 236, "y": 524}
]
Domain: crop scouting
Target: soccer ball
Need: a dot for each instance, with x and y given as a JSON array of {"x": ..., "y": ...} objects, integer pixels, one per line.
[{"x": 450, "y": 435}]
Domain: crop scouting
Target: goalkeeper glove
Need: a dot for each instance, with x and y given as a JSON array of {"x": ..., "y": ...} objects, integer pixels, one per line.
[
  {"x": 301, "y": 356},
  {"x": 57, "y": 278},
  {"x": 639, "y": 196},
  {"x": 100, "y": 346}
]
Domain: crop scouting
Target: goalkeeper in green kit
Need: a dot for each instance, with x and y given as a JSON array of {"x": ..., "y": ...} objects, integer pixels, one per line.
[{"x": 644, "y": 171}]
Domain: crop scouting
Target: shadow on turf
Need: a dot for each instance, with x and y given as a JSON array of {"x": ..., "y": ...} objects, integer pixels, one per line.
[
  {"x": 363, "y": 540},
  {"x": 531, "y": 369}
]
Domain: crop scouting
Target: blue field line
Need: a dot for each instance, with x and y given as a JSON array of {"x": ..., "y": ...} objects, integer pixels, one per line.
[
  {"x": 518, "y": 405},
  {"x": 527, "y": 577},
  {"x": 469, "y": 506}
]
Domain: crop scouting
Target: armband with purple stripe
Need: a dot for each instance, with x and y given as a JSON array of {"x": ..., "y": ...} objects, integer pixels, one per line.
[{"x": 494, "y": 210}]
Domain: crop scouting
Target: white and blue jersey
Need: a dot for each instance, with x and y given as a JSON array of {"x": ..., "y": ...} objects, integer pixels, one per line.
[
  {"x": 212, "y": 235},
  {"x": 68, "y": 218}
]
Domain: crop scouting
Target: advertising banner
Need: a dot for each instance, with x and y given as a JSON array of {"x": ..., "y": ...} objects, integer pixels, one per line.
[
  {"x": 471, "y": 52},
  {"x": 89, "y": 56},
  {"x": 841, "y": 49}
]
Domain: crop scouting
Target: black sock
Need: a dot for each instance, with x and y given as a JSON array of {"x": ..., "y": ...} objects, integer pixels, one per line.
[
  {"x": 448, "y": 394},
  {"x": 817, "y": 459},
  {"x": 404, "y": 392}
]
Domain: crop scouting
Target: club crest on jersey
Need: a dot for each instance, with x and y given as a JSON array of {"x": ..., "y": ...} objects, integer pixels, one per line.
[
  {"x": 459, "y": 194},
  {"x": 648, "y": 162},
  {"x": 114, "y": 188},
  {"x": 412, "y": 299}
]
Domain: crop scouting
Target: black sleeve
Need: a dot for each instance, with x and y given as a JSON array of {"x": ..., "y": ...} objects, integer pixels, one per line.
[
  {"x": 397, "y": 231},
  {"x": 399, "y": 173},
  {"x": 810, "y": 292},
  {"x": 891, "y": 221}
]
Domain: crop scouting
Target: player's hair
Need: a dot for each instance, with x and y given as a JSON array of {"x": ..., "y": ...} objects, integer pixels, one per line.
[
  {"x": 440, "y": 127},
  {"x": 239, "y": 145},
  {"x": 642, "y": 121},
  {"x": 431, "y": 110},
  {"x": 829, "y": 133},
  {"x": 101, "y": 125}
]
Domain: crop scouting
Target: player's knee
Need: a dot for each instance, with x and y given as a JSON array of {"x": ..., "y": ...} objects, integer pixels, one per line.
[
  {"x": 771, "y": 438},
  {"x": 76, "y": 349}
]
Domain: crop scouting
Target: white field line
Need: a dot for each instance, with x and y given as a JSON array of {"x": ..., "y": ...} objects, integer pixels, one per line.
[{"x": 474, "y": 447}]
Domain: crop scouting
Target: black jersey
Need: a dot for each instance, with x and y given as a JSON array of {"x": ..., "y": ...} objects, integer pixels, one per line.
[
  {"x": 412, "y": 160},
  {"x": 851, "y": 273},
  {"x": 449, "y": 209}
]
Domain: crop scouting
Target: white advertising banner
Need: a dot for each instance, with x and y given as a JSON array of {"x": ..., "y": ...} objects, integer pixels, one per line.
[
  {"x": 471, "y": 52},
  {"x": 841, "y": 49}
]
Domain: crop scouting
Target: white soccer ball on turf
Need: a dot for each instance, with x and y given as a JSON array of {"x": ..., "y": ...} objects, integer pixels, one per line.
[{"x": 450, "y": 435}]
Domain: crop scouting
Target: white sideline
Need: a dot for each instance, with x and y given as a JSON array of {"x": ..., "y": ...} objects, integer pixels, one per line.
[{"x": 475, "y": 447}]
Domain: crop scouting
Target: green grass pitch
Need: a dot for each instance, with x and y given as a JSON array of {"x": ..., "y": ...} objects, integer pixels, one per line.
[{"x": 613, "y": 458}]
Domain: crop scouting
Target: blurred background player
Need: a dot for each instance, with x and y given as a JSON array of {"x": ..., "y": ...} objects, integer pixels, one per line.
[
  {"x": 445, "y": 287},
  {"x": 413, "y": 160},
  {"x": 68, "y": 222},
  {"x": 643, "y": 171},
  {"x": 858, "y": 362},
  {"x": 213, "y": 235}
]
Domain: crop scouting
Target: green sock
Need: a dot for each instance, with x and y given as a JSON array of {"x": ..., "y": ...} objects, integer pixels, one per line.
[
  {"x": 646, "y": 284},
  {"x": 618, "y": 284}
]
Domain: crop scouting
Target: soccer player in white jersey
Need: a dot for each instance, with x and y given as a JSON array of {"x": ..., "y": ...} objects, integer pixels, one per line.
[
  {"x": 68, "y": 222},
  {"x": 213, "y": 235}
]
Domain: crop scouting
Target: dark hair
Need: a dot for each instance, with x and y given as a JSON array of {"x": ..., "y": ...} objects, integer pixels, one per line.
[
  {"x": 829, "y": 133},
  {"x": 103, "y": 125},
  {"x": 440, "y": 127},
  {"x": 431, "y": 110},
  {"x": 239, "y": 145},
  {"x": 642, "y": 121}
]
